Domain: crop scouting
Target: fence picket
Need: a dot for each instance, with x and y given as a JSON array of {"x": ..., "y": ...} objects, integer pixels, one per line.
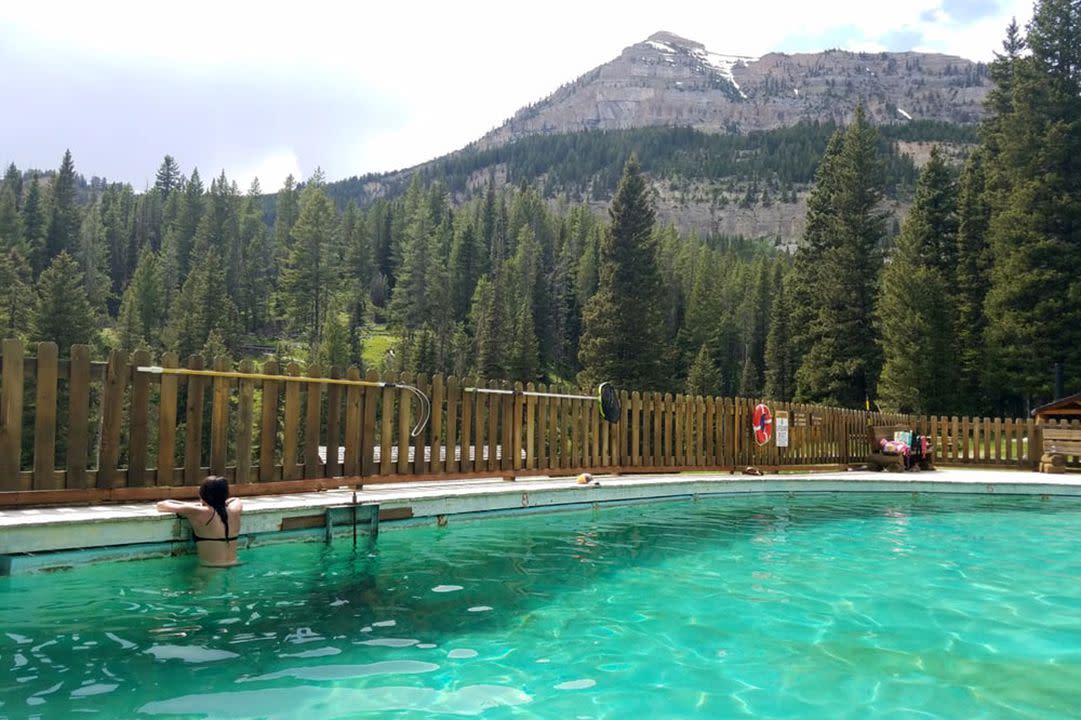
[
  {"x": 370, "y": 400},
  {"x": 437, "y": 463},
  {"x": 268, "y": 424},
  {"x": 45, "y": 419},
  {"x": 244, "y": 426},
  {"x": 137, "y": 430},
  {"x": 454, "y": 400},
  {"x": 312, "y": 423},
  {"x": 79, "y": 416},
  {"x": 291, "y": 470},
  {"x": 219, "y": 418},
  {"x": 333, "y": 467},
  {"x": 112, "y": 419}
]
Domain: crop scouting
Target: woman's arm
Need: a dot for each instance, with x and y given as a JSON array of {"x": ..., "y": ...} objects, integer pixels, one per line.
[{"x": 180, "y": 507}]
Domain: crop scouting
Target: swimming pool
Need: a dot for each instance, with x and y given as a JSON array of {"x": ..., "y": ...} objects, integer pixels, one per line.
[{"x": 767, "y": 606}]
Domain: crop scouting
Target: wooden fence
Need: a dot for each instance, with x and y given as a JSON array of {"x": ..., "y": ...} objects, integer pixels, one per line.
[{"x": 76, "y": 430}]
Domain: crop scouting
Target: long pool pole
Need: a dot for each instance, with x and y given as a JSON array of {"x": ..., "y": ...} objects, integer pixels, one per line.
[
  {"x": 424, "y": 401},
  {"x": 496, "y": 391}
]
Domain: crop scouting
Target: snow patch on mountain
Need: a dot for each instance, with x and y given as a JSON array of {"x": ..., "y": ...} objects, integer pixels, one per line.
[{"x": 663, "y": 47}]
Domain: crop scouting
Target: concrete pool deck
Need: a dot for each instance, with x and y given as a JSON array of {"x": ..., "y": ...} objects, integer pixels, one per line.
[{"x": 49, "y": 538}]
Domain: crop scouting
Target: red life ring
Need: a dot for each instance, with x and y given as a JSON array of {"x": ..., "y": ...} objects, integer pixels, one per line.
[{"x": 763, "y": 424}]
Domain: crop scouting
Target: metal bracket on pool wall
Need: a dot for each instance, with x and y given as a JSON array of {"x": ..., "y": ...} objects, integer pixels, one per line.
[{"x": 353, "y": 515}]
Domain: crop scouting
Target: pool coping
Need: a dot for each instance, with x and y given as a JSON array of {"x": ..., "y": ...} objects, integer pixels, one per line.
[{"x": 37, "y": 539}]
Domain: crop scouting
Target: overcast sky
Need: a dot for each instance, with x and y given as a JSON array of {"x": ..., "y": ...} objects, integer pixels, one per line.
[{"x": 260, "y": 89}]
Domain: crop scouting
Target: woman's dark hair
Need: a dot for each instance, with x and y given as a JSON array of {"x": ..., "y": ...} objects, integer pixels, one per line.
[{"x": 215, "y": 492}]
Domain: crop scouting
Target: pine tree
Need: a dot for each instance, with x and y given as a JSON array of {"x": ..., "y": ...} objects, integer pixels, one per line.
[
  {"x": 334, "y": 347},
  {"x": 491, "y": 330},
  {"x": 219, "y": 228},
  {"x": 842, "y": 361},
  {"x": 186, "y": 225},
  {"x": 525, "y": 351},
  {"x": 168, "y": 177},
  {"x": 704, "y": 377},
  {"x": 780, "y": 375},
  {"x": 807, "y": 276},
  {"x": 35, "y": 222},
  {"x": 16, "y": 293},
  {"x": 14, "y": 180},
  {"x": 287, "y": 207},
  {"x": 201, "y": 307},
  {"x": 63, "y": 314},
  {"x": 359, "y": 253},
  {"x": 63, "y": 232},
  {"x": 915, "y": 311},
  {"x": 215, "y": 347},
  {"x": 93, "y": 258},
  {"x": 755, "y": 314},
  {"x": 415, "y": 256},
  {"x": 1034, "y": 317},
  {"x": 311, "y": 271},
  {"x": 461, "y": 352},
  {"x": 748, "y": 378},
  {"x": 971, "y": 282},
  {"x": 11, "y": 226},
  {"x": 258, "y": 278},
  {"x": 465, "y": 262},
  {"x": 142, "y": 309},
  {"x": 623, "y": 332}
]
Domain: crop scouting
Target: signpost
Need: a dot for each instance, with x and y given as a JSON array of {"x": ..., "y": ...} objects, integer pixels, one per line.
[{"x": 780, "y": 420}]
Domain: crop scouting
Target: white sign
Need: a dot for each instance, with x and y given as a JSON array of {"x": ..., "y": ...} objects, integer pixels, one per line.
[{"x": 780, "y": 429}]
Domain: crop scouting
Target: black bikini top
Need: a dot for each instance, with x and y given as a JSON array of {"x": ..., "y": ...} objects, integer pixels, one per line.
[{"x": 197, "y": 538}]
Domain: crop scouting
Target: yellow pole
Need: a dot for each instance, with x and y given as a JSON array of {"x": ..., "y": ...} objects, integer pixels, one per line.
[
  {"x": 425, "y": 403},
  {"x": 155, "y": 370}
]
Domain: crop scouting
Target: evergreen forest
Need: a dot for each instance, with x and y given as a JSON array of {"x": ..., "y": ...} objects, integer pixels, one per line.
[{"x": 967, "y": 310}]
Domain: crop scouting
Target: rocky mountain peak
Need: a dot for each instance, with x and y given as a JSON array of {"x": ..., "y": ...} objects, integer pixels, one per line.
[
  {"x": 669, "y": 80},
  {"x": 670, "y": 38}
]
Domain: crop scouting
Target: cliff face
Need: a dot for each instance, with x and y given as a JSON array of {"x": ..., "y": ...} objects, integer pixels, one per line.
[
  {"x": 671, "y": 81},
  {"x": 668, "y": 80}
]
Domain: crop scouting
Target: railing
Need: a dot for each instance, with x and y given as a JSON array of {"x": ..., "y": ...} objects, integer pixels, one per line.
[
  {"x": 995, "y": 442},
  {"x": 79, "y": 431}
]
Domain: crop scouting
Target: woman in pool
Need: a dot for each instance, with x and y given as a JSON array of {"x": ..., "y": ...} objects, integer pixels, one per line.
[{"x": 215, "y": 521}]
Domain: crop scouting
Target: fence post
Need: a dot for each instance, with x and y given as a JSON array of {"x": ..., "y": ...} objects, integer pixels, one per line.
[
  {"x": 140, "y": 410},
  {"x": 245, "y": 411},
  {"x": 353, "y": 423},
  {"x": 420, "y": 464},
  {"x": 332, "y": 467},
  {"x": 312, "y": 418},
  {"x": 166, "y": 421},
  {"x": 405, "y": 406},
  {"x": 11, "y": 416},
  {"x": 367, "y": 431},
  {"x": 112, "y": 418},
  {"x": 516, "y": 427},
  {"x": 78, "y": 416},
  {"x": 45, "y": 419},
  {"x": 1035, "y": 444},
  {"x": 268, "y": 423},
  {"x": 193, "y": 435},
  {"x": 435, "y": 442},
  {"x": 454, "y": 397}
]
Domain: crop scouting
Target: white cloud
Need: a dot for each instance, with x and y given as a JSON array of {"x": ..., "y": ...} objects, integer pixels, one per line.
[{"x": 271, "y": 169}]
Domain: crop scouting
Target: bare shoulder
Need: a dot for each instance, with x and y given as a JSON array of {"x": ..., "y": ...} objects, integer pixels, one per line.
[{"x": 234, "y": 503}]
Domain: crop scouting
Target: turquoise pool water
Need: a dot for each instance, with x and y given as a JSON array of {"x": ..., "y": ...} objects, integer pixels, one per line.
[{"x": 814, "y": 606}]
